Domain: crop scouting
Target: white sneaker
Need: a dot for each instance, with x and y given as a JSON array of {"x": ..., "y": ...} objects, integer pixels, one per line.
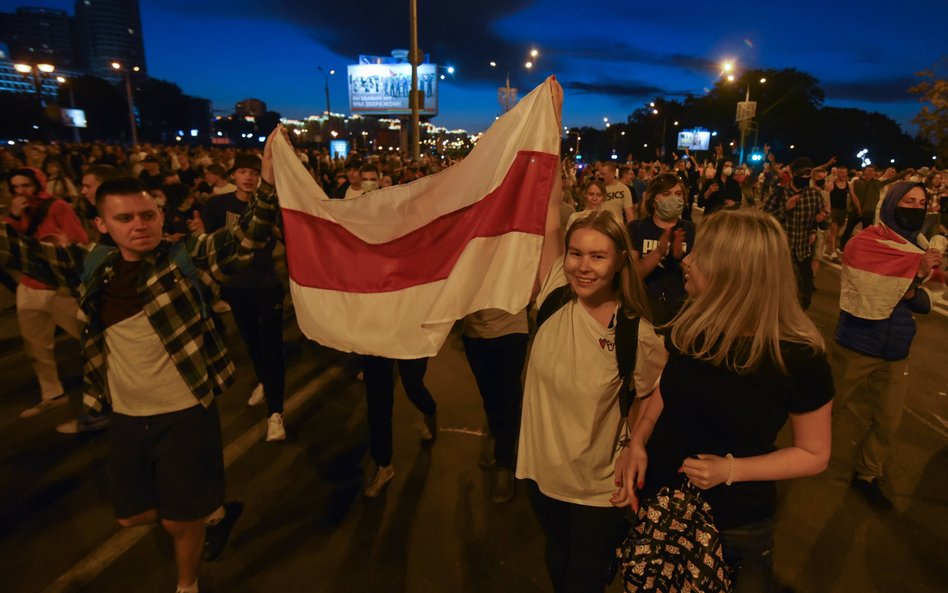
[
  {"x": 45, "y": 405},
  {"x": 275, "y": 430},
  {"x": 220, "y": 307},
  {"x": 256, "y": 398},
  {"x": 382, "y": 477}
]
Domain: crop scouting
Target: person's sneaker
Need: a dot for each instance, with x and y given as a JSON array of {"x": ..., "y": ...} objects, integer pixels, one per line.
[
  {"x": 217, "y": 534},
  {"x": 429, "y": 428},
  {"x": 45, "y": 405},
  {"x": 275, "y": 429},
  {"x": 872, "y": 491},
  {"x": 257, "y": 397},
  {"x": 487, "y": 459},
  {"x": 504, "y": 489},
  {"x": 382, "y": 477},
  {"x": 86, "y": 423}
]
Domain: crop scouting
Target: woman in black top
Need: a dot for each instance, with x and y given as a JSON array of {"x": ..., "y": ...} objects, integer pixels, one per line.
[
  {"x": 839, "y": 194},
  {"x": 743, "y": 357}
]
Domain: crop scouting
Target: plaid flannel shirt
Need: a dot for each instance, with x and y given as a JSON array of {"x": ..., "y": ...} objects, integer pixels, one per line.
[
  {"x": 799, "y": 222},
  {"x": 169, "y": 298}
]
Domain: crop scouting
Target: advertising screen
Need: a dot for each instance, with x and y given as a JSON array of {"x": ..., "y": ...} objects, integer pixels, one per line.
[
  {"x": 74, "y": 118},
  {"x": 694, "y": 139},
  {"x": 339, "y": 148},
  {"x": 383, "y": 89}
]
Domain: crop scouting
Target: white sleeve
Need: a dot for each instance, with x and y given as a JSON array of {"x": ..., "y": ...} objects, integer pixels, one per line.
[
  {"x": 555, "y": 278},
  {"x": 650, "y": 359}
]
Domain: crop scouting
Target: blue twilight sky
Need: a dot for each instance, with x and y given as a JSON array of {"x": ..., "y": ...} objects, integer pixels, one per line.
[{"x": 610, "y": 55}]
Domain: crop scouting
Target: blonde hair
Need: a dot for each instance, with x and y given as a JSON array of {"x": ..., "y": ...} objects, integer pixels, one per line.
[
  {"x": 629, "y": 288},
  {"x": 751, "y": 293}
]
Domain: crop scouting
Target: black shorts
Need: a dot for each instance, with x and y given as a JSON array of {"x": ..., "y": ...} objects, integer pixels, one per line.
[{"x": 172, "y": 463}]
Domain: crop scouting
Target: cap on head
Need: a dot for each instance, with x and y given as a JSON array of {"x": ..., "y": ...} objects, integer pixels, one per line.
[
  {"x": 802, "y": 167},
  {"x": 246, "y": 160}
]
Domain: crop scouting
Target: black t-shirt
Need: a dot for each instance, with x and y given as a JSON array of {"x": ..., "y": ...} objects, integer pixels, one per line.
[
  {"x": 838, "y": 196},
  {"x": 666, "y": 283},
  {"x": 713, "y": 410},
  {"x": 226, "y": 209},
  {"x": 119, "y": 299}
]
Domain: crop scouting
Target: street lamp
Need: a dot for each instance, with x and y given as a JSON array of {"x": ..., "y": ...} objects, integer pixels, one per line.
[
  {"x": 506, "y": 94},
  {"x": 34, "y": 73},
  {"x": 133, "y": 127},
  {"x": 326, "y": 75},
  {"x": 63, "y": 81}
]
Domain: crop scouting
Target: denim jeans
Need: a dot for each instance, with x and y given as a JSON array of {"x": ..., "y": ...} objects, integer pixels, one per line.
[{"x": 748, "y": 552}]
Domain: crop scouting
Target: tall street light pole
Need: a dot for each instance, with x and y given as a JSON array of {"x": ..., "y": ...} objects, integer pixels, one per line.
[
  {"x": 326, "y": 75},
  {"x": 415, "y": 123},
  {"x": 132, "y": 126}
]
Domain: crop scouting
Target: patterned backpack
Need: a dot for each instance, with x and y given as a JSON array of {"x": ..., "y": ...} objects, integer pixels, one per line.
[{"x": 674, "y": 546}]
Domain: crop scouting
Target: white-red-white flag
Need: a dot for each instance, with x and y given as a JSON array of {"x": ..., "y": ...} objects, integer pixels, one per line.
[{"x": 389, "y": 272}]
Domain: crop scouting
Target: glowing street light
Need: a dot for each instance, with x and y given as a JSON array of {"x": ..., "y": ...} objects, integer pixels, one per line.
[
  {"x": 534, "y": 53},
  {"x": 763, "y": 81},
  {"x": 528, "y": 65},
  {"x": 131, "y": 104},
  {"x": 727, "y": 66}
]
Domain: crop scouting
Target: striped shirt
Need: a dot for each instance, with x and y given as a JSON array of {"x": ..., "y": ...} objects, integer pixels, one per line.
[{"x": 169, "y": 298}]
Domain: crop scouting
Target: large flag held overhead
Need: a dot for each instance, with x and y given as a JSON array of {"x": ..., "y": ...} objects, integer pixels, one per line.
[{"x": 389, "y": 272}]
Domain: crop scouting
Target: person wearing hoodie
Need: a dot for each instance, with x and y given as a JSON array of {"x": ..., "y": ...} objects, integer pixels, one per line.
[
  {"x": 882, "y": 283},
  {"x": 40, "y": 308}
]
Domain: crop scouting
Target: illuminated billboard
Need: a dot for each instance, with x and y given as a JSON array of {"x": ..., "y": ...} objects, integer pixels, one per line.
[
  {"x": 383, "y": 89},
  {"x": 694, "y": 139},
  {"x": 74, "y": 118}
]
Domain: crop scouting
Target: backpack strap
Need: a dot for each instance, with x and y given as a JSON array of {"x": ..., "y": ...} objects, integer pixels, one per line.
[
  {"x": 93, "y": 260},
  {"x": 181, "y": 258},
  {"x": 627, "y": 342}
]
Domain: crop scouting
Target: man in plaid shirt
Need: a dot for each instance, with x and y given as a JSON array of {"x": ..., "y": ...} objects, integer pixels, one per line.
[
  {"x": 152, "y": 353},
  {"x": 801, "y": 210}
]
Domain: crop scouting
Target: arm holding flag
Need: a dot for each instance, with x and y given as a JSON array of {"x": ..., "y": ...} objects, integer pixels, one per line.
[{"x": 553, "y": 247}]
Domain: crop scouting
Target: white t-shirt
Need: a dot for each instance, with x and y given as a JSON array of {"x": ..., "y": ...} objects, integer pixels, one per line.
[
  {"x": 352, "y": 192},
  {"x": 143, "y": 380},
  {"x": 571, "y": 419},
  {"x": 618, "y": 198}
]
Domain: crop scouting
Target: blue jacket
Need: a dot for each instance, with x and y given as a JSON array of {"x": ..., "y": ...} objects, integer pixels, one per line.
[{"x": 890, "y": 338}]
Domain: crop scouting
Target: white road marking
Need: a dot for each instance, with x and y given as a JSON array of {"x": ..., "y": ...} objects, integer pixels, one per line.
[
  {"x": 942, "y": 430},
  {"x": 102, "y": 557}
]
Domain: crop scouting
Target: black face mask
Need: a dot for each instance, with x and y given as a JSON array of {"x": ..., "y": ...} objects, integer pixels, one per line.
[
  {"x": 820, "y": 182},
  {"x": 801, "y": 182},
  {"x": 910, "y": 219}
]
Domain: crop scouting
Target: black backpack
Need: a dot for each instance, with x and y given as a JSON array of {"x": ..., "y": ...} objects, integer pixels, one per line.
[{"x": 627, "y": 340}]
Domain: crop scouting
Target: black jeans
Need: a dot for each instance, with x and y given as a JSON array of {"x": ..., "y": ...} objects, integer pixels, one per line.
[
  {"x": 581, "y": 541},
  {"x": 804, "y": 271},
  {"x": 380, "y": 398},
  {"x": 851, "y": 221},
  {"x": 497, "y": 364},
  {"x": 747, "y": 550},
  {"x": 259, "y": 318}
]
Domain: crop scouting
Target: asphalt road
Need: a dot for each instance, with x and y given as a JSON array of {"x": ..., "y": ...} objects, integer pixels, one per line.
[{"x": 307, "y": 527}]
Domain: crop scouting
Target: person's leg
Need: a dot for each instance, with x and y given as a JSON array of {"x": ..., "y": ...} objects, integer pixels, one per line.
[
  {"x": 65, "y": 312},
  {"x": 413, "y": 378},
  {"x": 748, "y": 552},
  {"x": 188, "y": 540},
  {"x": 37, "y": 330},
  {"x": 852, "y": 219},
  {"x": 887, "y": 387},
  {"x": 380, "y": 397},
  {"x": 243, "y": 306},
  {"x": 553, "y": 516},
  {"x": 271, "y": 366},
  {"x": 595, "y": 533},
  {"x": 805, "y": 281},
  {"x": 499, "y": 366}
]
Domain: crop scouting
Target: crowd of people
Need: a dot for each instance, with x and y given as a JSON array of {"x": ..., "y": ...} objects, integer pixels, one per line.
[{"x": 670, "y": 336}]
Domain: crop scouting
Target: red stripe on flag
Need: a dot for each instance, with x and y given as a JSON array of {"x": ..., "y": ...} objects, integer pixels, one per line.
[
  {"x": 324, "y": 254},
  {"x": 868, "y": 251}
]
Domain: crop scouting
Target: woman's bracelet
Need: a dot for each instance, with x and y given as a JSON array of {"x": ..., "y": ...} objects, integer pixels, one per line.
[{"x": 730, "y": 470}]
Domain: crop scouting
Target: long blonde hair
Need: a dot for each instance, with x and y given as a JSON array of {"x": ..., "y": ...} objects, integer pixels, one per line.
[
  {"x": 629, "y": 288},
  {"x": 751, "y": 293}
]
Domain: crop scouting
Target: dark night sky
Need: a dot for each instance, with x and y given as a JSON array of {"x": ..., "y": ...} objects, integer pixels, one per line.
[{"x": 611, "y": 55}]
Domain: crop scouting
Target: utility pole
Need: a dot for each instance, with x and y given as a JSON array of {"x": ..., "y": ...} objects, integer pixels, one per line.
[{"x": 415, "y": 124}]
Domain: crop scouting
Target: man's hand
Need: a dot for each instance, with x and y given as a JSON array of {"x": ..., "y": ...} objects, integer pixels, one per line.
[
  {"x": 196, "y": 224},
  {"x": 792, "y": 202},
  {"x": 18, "y": 205},
  {"x": 930, "y": 259},
  {"x": 821, "y": 215},
  {"x": 266, "y": 167}
]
